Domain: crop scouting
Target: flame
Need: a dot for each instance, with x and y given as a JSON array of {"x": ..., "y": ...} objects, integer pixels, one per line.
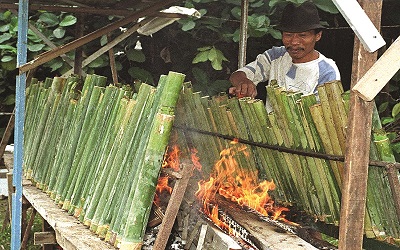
[
  {"x": 238, "y": 185},
  {"x": 171, "y": 159}
]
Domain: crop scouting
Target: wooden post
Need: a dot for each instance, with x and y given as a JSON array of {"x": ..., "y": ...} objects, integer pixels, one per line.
[{"x": 354, "y": 186}]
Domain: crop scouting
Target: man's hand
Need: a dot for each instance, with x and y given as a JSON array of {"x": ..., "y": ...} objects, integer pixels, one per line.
[{"x": 242, "y": 86}]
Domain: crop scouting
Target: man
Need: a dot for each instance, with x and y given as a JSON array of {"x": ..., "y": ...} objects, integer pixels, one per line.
[{"x": 296, "y": 65}]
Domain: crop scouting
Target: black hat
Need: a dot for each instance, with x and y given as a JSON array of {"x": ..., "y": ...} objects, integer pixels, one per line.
[{"x": 299, "y": 18}]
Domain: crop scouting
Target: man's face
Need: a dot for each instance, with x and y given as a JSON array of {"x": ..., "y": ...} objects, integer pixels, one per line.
[{"x": 300, "y": 46}]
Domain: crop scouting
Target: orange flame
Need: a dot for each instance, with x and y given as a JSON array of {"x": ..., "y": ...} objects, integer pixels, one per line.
[{"x": 238, "y": 185}]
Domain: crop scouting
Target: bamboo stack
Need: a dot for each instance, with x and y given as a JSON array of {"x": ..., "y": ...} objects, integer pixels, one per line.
[
  {"x": 298, "y": 122},
  {"x": 97, "y": 150}
]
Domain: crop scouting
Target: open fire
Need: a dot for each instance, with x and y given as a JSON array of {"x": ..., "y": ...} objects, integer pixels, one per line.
[{"x": 237, "y": 185}]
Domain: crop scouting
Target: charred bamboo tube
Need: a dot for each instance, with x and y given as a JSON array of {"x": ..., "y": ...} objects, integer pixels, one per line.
[{"x": 148, "y": 173}]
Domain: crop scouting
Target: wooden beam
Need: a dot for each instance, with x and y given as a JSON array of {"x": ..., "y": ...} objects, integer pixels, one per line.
[
  {"x": 380, "y": 73},
  {"x": 354, "y": 186},
  {"x": 173, "y": 207},
  {"x": 51, "y": 54},
  {"x": 44, "y": 238}
]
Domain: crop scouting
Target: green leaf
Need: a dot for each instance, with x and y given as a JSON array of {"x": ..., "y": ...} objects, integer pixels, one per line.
[
  {"x": 35, "y": 47},
  {"x": 7, "y": 58},
  {"x": 236, "y": 12},
  {"x": 4, "y": 28},
  {"x": 68, "y": 21},
  {"x": 49, "y": 18},
  {"x": 10, "y": 65},
  {"x": 396, "y": 147},
  {"x": 5, "y": 37},
  {"x": 8, "y": 47},
  {"x": 56, "y": 65},
  {"x": 201, "y": 57},
  {"x": 59, "y": 32},
  {"x": 396, "y": 110},
  {"x": 327, "y": 6},
  {"x": 387, "y": 120},
  {"x": 9, "y": 100},
  {"x": 135, "y": 55},
  {"x": 103, "y": 40},
  {"x": 383, "y": 107},
  {"x": 212, "y": 54},
  {"x": 141, "y": 74},
  {"x": 188, "y": 25},
  {"x": 97, "y": 63}
]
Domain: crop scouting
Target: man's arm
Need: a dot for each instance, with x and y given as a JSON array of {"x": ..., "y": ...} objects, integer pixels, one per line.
[{"x": 242, "y": 86}]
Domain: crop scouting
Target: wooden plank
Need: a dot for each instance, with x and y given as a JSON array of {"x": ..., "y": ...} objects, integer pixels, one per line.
[
  {"x": 70, "y": 234},
  {"x": 361, "y": 24},
  {"x": 221, "y": 241},
  {"x": 44, "y": 238},
  {"x": 380, "y": 73},
  {"x": 173, "y": 207},
  {"x": 354, "y": 186}
]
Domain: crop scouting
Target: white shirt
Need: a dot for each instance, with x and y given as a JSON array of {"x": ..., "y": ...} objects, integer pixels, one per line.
[{"x": 276, "y": 64}]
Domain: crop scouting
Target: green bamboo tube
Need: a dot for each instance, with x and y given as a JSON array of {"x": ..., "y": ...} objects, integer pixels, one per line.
[
  {"x": 63, "y": 139},
  {"x": 111, "y": 169},
  {"x": 85, "y": 165},
  {"x": 148, "y": 174},
  {"x": 40, "y": 132},
  {"x": 37, "y": 132},
  {"x": 274, "y": 98},
  {"x": 120, "y": 212},
  {"x": 295, "y": 163},
  {"x": 334, "y": 115},
  {"x": 114, "y": 114},
  {"x": 140, "y": 142},
  {"x": 90, "y": 82},
  {"x": 387, "y": 206},
  {"x": 270, "y": 159},
  {"x": 319, "y": 120},
  {"x": 331, "y": 188},
  {"x": 81, "y": 133},
  {"x": 57, "y": 133}
]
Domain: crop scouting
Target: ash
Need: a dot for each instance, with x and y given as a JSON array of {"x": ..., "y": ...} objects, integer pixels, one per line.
[{"x": 174, "y": 241}]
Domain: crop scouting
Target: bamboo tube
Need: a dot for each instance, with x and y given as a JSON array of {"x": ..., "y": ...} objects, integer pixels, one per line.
[
  {"x": 114, "y": 112},
  {"x": 63, "y": 140},
  {"x": 90, "y": 82},
  {"x": 148, "y": 173},
  {"x": 319, "y": 120},
  {"x": 110, "y": 172},
  {"x": 86, "y": 163},
  {"x": 330, "y": 186},
  {"x": 81, "y": 132},
  {"x": 334, "y": 113}
]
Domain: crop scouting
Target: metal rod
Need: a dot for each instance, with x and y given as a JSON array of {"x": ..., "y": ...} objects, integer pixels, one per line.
[
  {"x": 243, "y": 33},
  {"x": 22, "y": 42},
  {"x": 287, "y": 150}
]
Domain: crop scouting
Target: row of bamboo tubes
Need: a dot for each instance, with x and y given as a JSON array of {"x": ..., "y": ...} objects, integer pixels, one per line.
[
  {"x": 299, "y": 122},
  {"x": 97, "y": 150}
]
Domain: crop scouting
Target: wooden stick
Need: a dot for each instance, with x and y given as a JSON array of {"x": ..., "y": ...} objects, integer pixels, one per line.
[
  {"x": 173, "y": 207},
  {"x": 202, "y": 237},
  {"x": 380, "y": 73},
  {"x": 28, "y": 230}
]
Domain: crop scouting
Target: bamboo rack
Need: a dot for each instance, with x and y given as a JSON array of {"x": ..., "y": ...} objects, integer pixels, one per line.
[
  {"x": 97, "y": 150},
  {"x": 301, "y": 123}
]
